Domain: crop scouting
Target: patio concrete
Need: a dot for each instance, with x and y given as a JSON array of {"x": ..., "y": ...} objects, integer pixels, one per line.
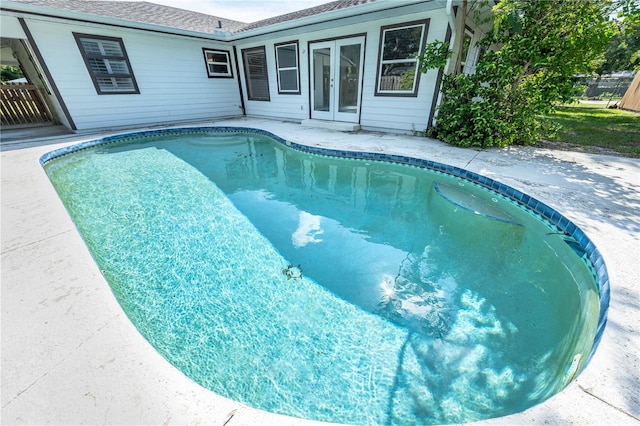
[{"x": 71, "y": 356}]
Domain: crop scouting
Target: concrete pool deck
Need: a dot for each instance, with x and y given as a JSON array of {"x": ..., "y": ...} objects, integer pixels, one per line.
[{"x": 71, "y": 356}]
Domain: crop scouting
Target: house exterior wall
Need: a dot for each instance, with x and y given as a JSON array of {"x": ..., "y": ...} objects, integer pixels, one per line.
[
  {"x": 171, "y": 75},
  {"x": 285, "y": 106},
  {"x": 393, "y": 112},
  {"x": 170, "y": 72},
  {"x": 404, "y": 114},
  {"x": 18, "y": 47},
  {"x": 11, "y": 27}
]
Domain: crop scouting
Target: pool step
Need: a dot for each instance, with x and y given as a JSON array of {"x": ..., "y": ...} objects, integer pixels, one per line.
[{"x": 460, "y": 197}]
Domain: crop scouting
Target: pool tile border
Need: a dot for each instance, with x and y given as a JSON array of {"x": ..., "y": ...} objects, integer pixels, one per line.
[{"x": 569, "y": 230}]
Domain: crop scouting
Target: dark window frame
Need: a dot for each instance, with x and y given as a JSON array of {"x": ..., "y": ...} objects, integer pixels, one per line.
[
  {"x": 213, "y": 74},
  {"x": 250, "y": 95},
  {"x": 96, "y": 75},
  {"x": 297, "y": 67},
  {"x": 425, "y": 32}
]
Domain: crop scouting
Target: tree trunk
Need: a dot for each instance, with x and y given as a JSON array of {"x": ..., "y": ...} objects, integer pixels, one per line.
[{"x": 460, "y": 38}]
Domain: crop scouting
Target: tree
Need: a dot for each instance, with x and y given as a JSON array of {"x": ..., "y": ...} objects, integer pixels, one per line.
[
  {"x": 533, "y": 52},
  {"x": 10, "y": 72},
  {"x": 623, "y": 51}
]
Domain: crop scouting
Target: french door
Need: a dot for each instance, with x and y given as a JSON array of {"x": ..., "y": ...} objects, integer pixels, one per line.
[{"x": 336, "y": 79}]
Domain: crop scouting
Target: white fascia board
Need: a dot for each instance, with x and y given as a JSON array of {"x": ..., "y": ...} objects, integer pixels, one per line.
[
  {"x": 348, "y": 12},
  {"x": 18, "y": 9},
  {"x": 45, "y": 12}
]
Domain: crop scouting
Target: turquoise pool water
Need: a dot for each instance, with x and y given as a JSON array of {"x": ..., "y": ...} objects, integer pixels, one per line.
[{"x": 335, "y": 289}]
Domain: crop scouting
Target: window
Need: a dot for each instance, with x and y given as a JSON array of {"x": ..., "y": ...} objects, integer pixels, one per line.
[
  {"x": 218, "y": 63},
  {"x": 255, "y": 70},
  {"x": 398, "y": 71},
  {"x": 466, "y": 49},
  {"x": 287, "y": 65},
  {"x": 107, "y": 63}
]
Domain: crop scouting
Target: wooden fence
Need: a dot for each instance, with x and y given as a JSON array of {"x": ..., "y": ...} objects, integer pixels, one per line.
[
  {"x": 631, "y": 99},
  {"x": 22, "y": 106}
]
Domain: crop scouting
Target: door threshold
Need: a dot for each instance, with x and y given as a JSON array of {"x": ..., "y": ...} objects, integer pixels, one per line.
[{"x": 332, "y": 125}]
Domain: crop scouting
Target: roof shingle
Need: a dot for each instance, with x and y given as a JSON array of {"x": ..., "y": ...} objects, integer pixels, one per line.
[
  {"x": 327, "y": 7},
  {"x": 151, "y": 13},
  {"x": 146, "y": 12}
]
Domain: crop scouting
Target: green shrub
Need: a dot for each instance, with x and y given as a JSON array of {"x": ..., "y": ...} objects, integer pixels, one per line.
[{"x": 532, "y": 55}]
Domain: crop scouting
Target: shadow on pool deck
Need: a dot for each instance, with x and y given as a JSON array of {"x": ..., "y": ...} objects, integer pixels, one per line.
[{"x": 26, "y": 134}]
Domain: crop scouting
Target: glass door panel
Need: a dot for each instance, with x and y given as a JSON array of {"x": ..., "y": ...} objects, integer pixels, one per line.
[
  {"x": 322, "y": 64},
  {"x": 322, "y": 79},
  {"x": 349, "y": 78},
  {"x": 336, "y": 79}
]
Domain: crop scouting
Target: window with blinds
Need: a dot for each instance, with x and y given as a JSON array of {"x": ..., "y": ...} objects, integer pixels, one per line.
[
  {"x": 255, "y": 72},
  {"x": 107, "y": 63}
]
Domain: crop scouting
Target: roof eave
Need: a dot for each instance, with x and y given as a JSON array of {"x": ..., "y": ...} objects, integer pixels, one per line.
[
  {"x": 18, "y": 8},
  {"x": 377, "y": 6}
]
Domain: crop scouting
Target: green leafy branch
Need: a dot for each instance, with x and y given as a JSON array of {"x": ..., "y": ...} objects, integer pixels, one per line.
[{"x": 434, "y": 56}]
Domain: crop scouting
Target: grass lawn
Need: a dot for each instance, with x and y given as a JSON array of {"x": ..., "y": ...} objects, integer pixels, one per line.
[{"x": 593, "y": 127}]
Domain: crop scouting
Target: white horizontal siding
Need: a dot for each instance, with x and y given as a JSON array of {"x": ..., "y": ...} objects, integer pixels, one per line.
[
  {"x": 384, "y": 112},
  {"x": 169, "y": 70},
  {"x": 399, "y": 113},
  {"x": 395, "y": 112},
  {"x": 11, "y": 27},
  {"x": 173, "y": 83},
  {"x": 287, "y": 106}
]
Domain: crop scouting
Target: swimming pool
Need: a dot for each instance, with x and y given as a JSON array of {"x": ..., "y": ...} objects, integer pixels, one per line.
[{"x": 382, "y": 326}]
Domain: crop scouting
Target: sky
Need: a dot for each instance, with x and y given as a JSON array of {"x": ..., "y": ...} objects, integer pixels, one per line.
[{"x": 242, "y": 10}]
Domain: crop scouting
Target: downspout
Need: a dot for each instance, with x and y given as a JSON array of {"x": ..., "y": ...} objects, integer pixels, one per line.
[
  {"x": 437, "y": 93},
  {"x": 235, "y": 57},
  {"x": 452, "y": 24},
  {"x": 451, "y": 39}
]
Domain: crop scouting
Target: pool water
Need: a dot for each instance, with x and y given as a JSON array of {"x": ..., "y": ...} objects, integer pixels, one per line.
[{"x": 334, "y": 289}]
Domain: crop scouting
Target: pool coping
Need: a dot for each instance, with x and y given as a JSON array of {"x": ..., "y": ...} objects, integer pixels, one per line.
[{"x": 579, "y": 399}]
